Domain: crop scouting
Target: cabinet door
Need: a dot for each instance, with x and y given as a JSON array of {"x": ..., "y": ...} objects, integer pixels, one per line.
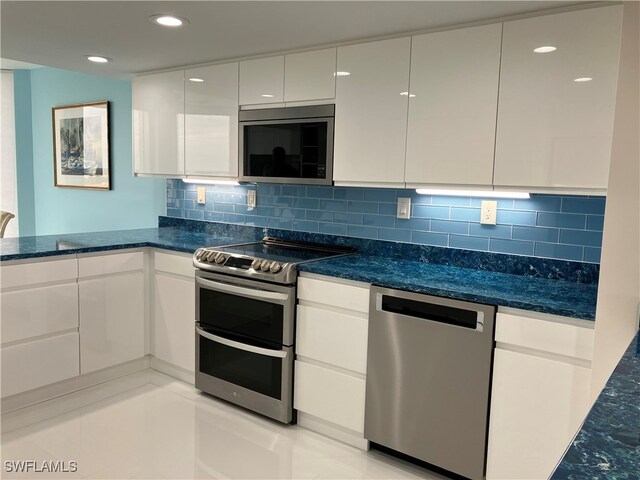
[
  {"x": 371, "y": 112},
  {"x": 537, "y": 406},
  {"x": 554, "y": 131},
  {"x": 262, "y": 81},
  {"x": 111, "y": 320},
  {"x": 211, "y": 121},
  {"x": 310, "y": 75},
  {"x": 174, "y": 321},
  {"x": 158, "y": 124},
  {"x": 452, "y": 106}
]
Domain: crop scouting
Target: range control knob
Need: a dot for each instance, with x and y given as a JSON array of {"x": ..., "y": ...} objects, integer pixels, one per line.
[
  {"x": 256, "y": 264},
  {"x": 220, "y": 258},
  {"x": 265, "y": 265},
  {"x": 199, "y": 254},
  {"x": 275, "y": 267},
  {"x": 210, "y": 256}
]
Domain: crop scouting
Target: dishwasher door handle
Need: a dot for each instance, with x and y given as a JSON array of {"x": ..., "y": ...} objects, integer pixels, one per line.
[{"x": 441, "y": 313}]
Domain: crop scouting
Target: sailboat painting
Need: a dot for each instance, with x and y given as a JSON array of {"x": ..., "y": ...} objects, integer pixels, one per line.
[{"x": 81, "y": 146}]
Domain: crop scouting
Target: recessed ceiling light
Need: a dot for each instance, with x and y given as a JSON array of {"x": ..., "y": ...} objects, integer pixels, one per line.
[
  {"x": 342, "y": 74},
  {"x": 168, "y": 20},
  {"x": 196, "y": 80},
  {"x": 407, "y": 93},
  {"x": 546, "y": 49},
  {"x": 582, "y": 79},
  {"x": 267, "y": 95},
  {"x": 97, "y": 59}
]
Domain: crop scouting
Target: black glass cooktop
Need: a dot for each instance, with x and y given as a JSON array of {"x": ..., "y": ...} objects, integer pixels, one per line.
[{"x": 279, "y": 253}]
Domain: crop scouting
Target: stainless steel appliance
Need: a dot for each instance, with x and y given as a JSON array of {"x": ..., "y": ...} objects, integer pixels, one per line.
[
  {"x": 245, "y": 317},
  {"x": 287, "y": 145},
  {"x": 428, "y": 378}
]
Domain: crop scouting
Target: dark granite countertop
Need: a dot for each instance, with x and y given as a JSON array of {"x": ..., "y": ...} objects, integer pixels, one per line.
[
  {"x": 607, "y": 446},
  {"x": 538, "y": 294},
  {"x": 168, "y": 238},
  {"x": 541, "y": 294}
]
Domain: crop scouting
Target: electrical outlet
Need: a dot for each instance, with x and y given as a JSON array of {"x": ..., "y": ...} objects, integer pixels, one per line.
[
  {"x": 251, "y": 199},
  {"x": 404, "y": 208},
  {"x": 488, "y": 212},
  {"x": 201, "y": 195}
]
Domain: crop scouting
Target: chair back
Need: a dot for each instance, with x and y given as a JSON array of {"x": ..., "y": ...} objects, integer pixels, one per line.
[{"x": 4, "y": 220}]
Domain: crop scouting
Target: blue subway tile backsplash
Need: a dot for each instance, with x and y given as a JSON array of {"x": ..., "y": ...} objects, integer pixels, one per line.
[{"x": 545, "y": 226}]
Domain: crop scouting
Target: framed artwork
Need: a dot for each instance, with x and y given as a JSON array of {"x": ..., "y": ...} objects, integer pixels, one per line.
[{"x": 81, "y": 146}]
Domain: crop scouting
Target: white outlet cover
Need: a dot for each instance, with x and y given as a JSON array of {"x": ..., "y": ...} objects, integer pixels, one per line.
[
  {"x": 201, "y": 195},
  {"x": 488, "y": 210}
]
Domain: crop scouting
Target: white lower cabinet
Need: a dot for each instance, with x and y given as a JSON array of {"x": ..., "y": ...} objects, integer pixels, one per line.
[
  {"x": 39, "y": 328},
  {"x": 112, "y": 310},
  {"x": 331, "y": 357},
  {"x": 540, "y": 395},
  {"x": 174, "y": 310}
]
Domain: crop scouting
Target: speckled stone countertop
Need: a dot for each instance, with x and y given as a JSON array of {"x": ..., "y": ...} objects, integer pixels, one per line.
[
  {"x": 385, "y": 263},
  {"x": 607, "y": 446},
  {"x": 538, "y": 294},
  {"x": 168, "y": 238}
]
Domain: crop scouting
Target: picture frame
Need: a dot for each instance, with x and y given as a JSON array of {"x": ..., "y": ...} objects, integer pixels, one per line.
[{"x": 81, "y": 146}]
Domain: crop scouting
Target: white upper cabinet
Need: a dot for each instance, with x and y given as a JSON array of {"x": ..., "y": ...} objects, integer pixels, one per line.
[
  {"x": 452, "y": 106},
  {"x": 371, "y": 112},
  {"x": 158, "y": 124},
  {"x": 556, "y": 109},
  {"x": 310, "y": 75},
  {"x": 211, "y": 121},
  {"x": 262, "y": 81}
]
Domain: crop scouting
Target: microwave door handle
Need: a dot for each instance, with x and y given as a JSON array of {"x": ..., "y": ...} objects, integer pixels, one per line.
[
  {"x": 241, "y": 346},
  {"x": 247, "y": 292}
]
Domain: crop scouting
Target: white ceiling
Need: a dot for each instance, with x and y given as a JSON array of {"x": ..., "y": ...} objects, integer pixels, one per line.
[{"x": 61, "y": 33}]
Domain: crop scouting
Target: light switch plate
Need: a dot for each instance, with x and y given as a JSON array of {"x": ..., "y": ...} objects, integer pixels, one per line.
[
  {"x": 488, "y": 212},
  {"x": 404, "y": 208},
  {"x": 251, "y": 199},
  {"x": 201, "y": 195}
]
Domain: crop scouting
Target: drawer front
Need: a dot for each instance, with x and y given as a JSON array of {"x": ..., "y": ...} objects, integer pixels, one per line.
[
  {"x": 106, "y": 264},
  {"x": 39, "y": 272},
  {"x": 340, "y": 295},
  {"x": 39, "y": 311},
  {"x": 332, "y": 396},
  {"x": 335, "y": 338},
  {"x": 176, "y": 264},
  {"x": 544, "y": 335},
  {"x": 34, "y": 364}
]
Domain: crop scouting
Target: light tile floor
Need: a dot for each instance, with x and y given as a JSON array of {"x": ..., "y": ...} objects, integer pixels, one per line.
[{"x": 151, "y": 426}]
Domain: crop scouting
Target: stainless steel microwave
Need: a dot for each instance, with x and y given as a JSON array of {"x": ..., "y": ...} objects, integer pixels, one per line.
[{"x": 287, "y": 145}]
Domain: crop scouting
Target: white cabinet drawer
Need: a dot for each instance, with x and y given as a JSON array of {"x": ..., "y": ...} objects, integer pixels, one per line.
[
  {"x": 31, "y": 365},
  {"x": 178, "y": 264},
  {"x": 340, "y": 295},
  {"x": 330, "y": 395},
  {"x": 106, "y": 264},
  {"x": 334, "y": 338},
  {"x": 545, "y": 335},
  {"x": 39, "y": 311},
  {"x": 39, "y": 272}
]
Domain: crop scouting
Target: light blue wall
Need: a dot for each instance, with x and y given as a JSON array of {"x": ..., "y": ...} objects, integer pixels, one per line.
[
  {"x": 545, "y": 226},
  {"x": 24, "y": 152},
  {"x": 131, "y": 203}
]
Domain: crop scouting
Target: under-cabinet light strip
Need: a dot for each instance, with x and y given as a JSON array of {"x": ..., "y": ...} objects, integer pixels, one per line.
[{"x": 471, "y": 193}]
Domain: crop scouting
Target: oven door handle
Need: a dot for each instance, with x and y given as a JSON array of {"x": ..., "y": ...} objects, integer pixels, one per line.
[
  {"x": 241, "y": 346},
  {"x": 247, "y": 292}
]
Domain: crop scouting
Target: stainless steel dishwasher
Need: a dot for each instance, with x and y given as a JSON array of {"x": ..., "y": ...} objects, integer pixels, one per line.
[{"x": 428, "y": 378}]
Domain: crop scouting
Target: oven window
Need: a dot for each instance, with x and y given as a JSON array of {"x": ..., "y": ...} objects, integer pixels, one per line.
[
  {"x": 242, "y": 316},
  {"x": 289, "y": 150},
  {"x": 255, "y": 372}
]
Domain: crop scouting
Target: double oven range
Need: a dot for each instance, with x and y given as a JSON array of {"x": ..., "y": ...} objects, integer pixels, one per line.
[{"x": 245, "y": 320}]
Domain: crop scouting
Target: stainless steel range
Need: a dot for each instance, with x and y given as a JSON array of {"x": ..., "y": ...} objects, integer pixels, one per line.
[{"x": 245, "y": 317}]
